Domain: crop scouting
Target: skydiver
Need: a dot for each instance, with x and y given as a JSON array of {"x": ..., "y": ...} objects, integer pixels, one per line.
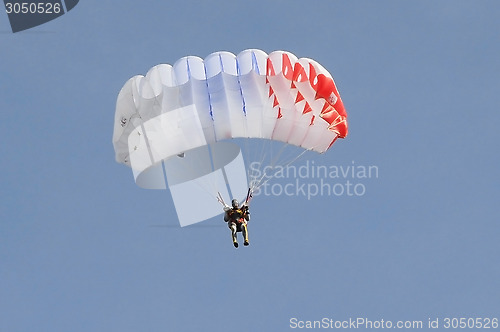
[{"x": 237, "y": 218}]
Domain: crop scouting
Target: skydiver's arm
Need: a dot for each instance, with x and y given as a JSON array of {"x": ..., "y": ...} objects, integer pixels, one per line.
[{"x": 246, "y": 213}]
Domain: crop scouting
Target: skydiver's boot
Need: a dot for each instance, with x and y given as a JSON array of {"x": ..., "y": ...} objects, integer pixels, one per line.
[{"x": 245, "y": 234}]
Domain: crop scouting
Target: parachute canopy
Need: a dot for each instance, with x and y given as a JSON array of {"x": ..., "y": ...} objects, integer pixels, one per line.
[{"x": 173, "y": 121}]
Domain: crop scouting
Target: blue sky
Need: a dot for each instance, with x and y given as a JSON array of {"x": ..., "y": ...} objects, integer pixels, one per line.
[{"x": 80, "y": 246}]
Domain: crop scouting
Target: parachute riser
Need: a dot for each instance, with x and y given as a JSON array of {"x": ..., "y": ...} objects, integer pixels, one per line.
[
  {"x": 221, "y": 200},
  {"x": 249, "y": 197}
]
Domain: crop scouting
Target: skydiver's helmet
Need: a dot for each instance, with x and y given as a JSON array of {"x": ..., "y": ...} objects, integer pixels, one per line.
[{"x": 235, "y": 204}]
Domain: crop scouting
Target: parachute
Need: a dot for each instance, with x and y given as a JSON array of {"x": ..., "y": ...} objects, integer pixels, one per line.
[{"x": 193, "y": 126}]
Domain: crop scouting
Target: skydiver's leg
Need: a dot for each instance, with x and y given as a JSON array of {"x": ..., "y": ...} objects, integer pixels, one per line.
[
  {"x": 233, "y": 234},
  {"x": 244, "y": 230}
]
